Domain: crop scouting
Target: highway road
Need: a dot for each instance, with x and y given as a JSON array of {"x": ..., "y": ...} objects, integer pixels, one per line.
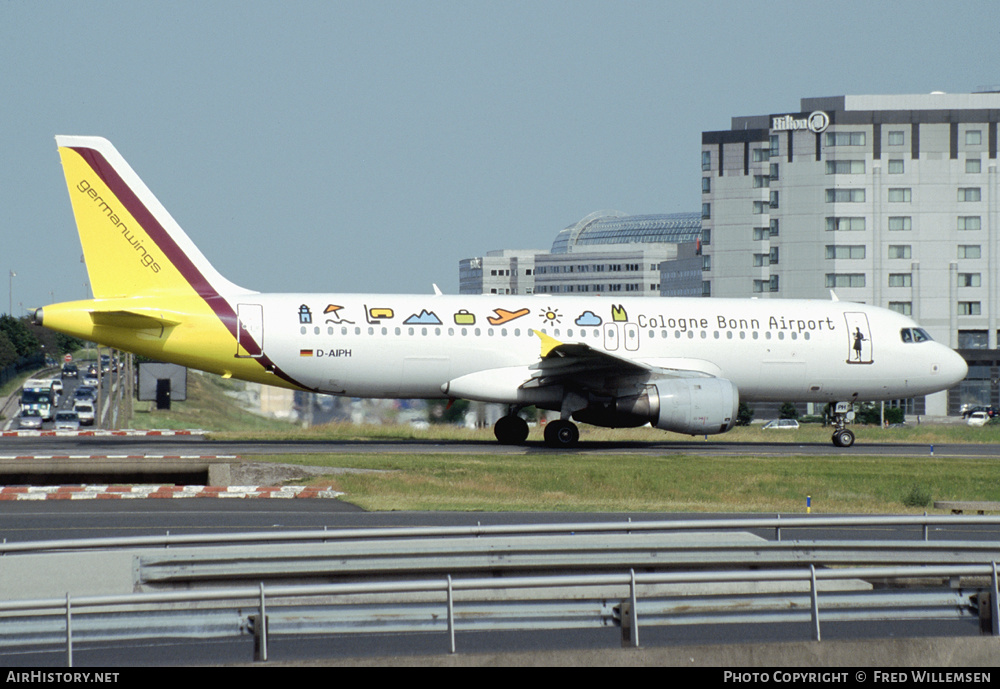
[
  {"x": 48, "y": 520},
  {"x": 101, "y": 386}
]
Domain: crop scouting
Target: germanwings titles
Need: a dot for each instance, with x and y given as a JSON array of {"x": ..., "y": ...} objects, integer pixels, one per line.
[{"x": 681, "y": 365}]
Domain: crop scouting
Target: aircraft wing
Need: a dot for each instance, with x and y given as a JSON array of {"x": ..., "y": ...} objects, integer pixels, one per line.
[{"x": 577, "y": 365}]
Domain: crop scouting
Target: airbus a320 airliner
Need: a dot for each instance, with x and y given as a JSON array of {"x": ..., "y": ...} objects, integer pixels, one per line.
[{"x": 681, "y": 365}]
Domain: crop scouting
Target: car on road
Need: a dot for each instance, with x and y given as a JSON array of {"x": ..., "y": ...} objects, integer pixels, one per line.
[
  {"x": 85, "y": 392},
  {"x": 67, "y": 421},
  {"x": 30, "y": 418},
  {"x": 85, "y": 410},
  {"x": 969, "y": 410},
  {"x": 70, "y": 371},
  {"x": 782, "y": 424},
  {"x": 978, "y": 418}
]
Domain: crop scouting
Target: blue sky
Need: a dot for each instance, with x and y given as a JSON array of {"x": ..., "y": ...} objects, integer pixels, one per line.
[{"x": 369, "y": 146}]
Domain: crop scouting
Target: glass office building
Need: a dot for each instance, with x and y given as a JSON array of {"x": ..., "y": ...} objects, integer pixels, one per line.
[
  {"x": 609, "y": 228},
  {"x": 605, "y": 253}
]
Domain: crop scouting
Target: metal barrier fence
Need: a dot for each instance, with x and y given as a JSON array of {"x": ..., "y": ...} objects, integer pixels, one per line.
[
  {"x": 521, "y": 577},
  {"x": 627, "y": 600}
]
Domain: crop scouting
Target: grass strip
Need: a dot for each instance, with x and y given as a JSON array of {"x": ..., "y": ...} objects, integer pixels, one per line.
[
  {"x": 674, "y": 483},
  {"x": 211, "y": 405},
  {"x": 572, "y": 481}
]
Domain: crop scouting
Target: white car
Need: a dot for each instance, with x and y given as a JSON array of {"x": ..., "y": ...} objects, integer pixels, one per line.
[
  {"x": 782, "y": 424},
  {"x": 85, "y": 410},
  {"x": 978, "y": 418}
]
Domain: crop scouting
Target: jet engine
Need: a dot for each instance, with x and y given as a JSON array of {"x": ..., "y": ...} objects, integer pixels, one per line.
[{"x": 695, "y": 406}]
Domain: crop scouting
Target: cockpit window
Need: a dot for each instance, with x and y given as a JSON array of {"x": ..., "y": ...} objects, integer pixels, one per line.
[{"x": 914, "y": 335}]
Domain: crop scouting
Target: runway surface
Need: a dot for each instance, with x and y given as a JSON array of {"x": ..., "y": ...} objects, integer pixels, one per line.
[{"x": 63, "y": 446}]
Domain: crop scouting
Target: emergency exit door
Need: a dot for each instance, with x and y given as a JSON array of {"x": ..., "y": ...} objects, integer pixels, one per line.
[{"x": 621, "y": 335}]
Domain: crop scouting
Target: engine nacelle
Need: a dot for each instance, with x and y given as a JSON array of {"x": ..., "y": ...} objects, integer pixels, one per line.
[{"x": 695, "y": 406}]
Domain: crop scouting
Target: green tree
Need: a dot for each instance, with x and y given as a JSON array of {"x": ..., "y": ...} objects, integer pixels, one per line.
[
  {"x": 744, "y": 415},
  {"x": 441, "y": 411},
  {"x": 67, "y": 343},
  {"x": 8, "y": 354},
  {"x": 19, "y": 335},
  {"x": 871, "y": 413},
  {"x": 788, "y": 411},
  {"x": 56, "y": 344}
]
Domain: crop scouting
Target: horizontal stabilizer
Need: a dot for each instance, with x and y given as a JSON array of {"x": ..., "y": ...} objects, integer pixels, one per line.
[{"x": 131, "y": 320}]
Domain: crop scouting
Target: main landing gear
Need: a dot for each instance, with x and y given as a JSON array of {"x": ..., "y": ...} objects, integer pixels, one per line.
[
  {"x": 842, "y": 437},
  {"x": 561, "y": 434},
  {"x": 513, "y": 430}
]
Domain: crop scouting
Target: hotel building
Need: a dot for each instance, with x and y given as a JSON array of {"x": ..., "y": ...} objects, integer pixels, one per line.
[{"x": 889, "y": 200}]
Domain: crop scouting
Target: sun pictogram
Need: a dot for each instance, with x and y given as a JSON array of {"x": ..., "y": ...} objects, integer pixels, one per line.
[{"x": 551, "y": 315}]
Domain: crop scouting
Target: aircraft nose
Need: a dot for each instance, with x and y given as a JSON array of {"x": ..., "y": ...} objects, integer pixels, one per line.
[{"x": 951, "y": 367}]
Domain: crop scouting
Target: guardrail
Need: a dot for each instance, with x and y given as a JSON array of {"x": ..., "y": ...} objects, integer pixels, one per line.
[
  {"x": 626, "y": 600},
  {"x": 519, "y": 577},
  {"x": 530, "y": 554}
]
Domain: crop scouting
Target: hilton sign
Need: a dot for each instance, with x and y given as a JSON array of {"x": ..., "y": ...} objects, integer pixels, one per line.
[{"x": 817, "y": 122}]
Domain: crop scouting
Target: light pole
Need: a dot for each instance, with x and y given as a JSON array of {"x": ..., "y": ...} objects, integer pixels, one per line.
[{"x": 10, "y": 290}]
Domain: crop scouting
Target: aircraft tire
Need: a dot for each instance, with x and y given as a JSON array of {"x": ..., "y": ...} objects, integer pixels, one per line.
[
  {"x": 511, "y": 430},
  {"x": 561, "y": 434},
  {"x": 843, "y": 438}
]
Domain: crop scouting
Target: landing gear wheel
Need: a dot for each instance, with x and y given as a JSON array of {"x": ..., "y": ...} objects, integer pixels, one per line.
[
  {"x": 511, "y": 430},
  {"x": 843, "y": 438},
  {"x": 842, "y": 414},
  {"x": 561, "y": 434}
]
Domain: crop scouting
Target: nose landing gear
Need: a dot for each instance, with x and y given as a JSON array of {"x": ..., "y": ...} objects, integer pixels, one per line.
[{"x": 842, "y": 437}]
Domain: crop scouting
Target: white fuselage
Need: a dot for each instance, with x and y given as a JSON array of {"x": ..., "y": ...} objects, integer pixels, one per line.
[{"x": 411, "y": 346}]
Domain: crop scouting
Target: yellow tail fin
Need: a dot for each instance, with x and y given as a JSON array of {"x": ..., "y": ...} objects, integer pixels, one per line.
[
  {"x": 131, "y": 244},
  {"x": 154, "y": 292}
]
